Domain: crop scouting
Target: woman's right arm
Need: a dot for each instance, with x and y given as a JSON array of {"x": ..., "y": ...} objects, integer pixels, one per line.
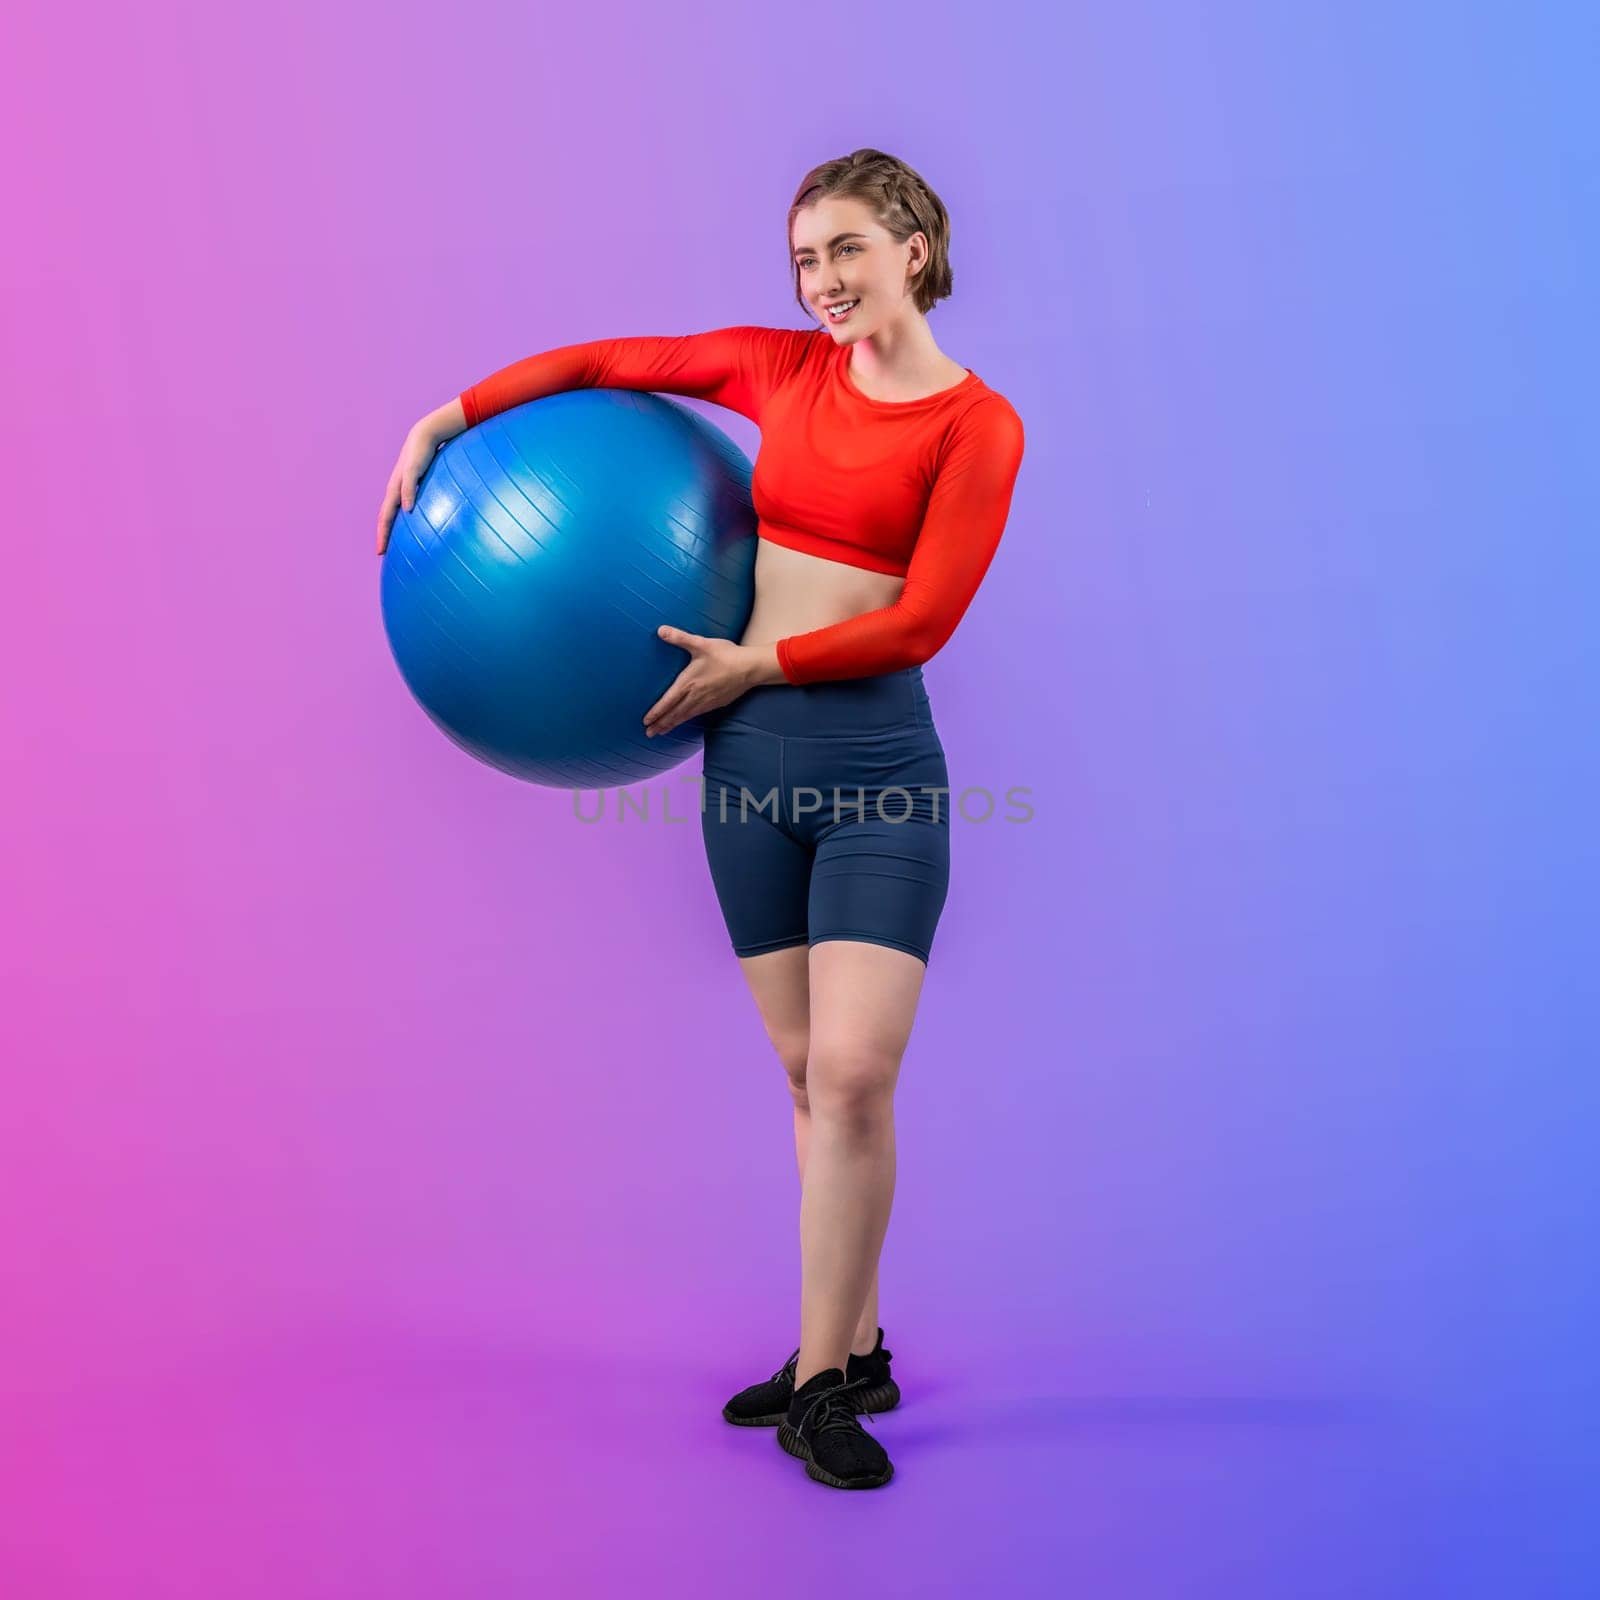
[{"x": 736, "y": 367}]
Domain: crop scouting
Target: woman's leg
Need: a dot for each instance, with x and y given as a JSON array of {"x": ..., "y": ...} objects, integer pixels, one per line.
[
  {"x": 780, "y": 981},
  {"x": 863, "y": 1002}
]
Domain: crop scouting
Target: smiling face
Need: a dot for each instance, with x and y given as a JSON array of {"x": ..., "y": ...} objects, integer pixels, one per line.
[{"x": 843, "y": 253}]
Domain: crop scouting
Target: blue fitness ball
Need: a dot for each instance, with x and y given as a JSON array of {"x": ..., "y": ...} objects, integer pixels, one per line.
[{"x": 522, "y": 592}]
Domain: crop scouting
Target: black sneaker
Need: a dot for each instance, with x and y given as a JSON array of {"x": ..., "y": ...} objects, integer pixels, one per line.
[
  {"x": 765, "y": 1405},
  {"x": 822, "y": 1429}
]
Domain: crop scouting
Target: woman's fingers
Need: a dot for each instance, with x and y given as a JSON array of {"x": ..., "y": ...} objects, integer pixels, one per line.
[
  {"x": 663, "y": 715},
  {"x": 401, "y": 492},
  {"x": 656, "y": 716},
  {"x": 391, "y": 498}
]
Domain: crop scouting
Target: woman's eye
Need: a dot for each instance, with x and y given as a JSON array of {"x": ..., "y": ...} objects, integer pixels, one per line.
[{"x": 806, "y": 264}]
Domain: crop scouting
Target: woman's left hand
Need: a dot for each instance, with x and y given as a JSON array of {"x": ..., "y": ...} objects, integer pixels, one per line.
[{"x": 719, "y": 671}]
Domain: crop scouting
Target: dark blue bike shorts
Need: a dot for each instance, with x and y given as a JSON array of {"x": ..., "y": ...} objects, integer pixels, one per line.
[{"x": 826, "y": 814}]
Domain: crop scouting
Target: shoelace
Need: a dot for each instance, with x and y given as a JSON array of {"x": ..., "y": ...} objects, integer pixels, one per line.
[{"x": 840, "y": 1407}]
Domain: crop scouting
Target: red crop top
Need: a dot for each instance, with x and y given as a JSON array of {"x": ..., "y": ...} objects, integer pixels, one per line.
[{"x": 917, "y": 488}]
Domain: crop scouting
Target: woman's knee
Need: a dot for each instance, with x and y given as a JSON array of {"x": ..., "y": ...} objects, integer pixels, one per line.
[{"x": 852, "y": 1083}]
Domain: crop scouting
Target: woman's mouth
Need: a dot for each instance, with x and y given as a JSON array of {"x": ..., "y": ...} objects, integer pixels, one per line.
[{"x": 844, "y": 310}]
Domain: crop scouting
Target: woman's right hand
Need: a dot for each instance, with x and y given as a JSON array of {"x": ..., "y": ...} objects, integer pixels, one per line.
[
  {"x": 435, "y": 429},
  {"x": 415, "y": 454}
]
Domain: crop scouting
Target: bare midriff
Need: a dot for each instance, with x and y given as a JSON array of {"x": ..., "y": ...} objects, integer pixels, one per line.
[{"x": 796, "y": 592}]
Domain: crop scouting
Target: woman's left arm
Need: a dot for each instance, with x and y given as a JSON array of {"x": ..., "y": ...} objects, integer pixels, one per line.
[{"x": 967, "y": 510}]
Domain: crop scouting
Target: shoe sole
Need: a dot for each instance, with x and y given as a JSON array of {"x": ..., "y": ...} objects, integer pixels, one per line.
[
  {"x": 791, "y": 1441},
  {"x": 884, "y": 1398}
]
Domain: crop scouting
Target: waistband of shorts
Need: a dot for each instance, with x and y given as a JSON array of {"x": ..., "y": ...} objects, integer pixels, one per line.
[{"x": 836, "y": 707}]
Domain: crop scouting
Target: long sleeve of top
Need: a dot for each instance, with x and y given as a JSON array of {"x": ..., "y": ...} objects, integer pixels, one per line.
[
  {"x": 920, "y": 489},
  {"x": 733, "y": 367}
]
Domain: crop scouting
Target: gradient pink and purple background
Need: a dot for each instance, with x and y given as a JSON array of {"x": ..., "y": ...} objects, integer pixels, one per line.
[{"x": 395, "y": 1178}]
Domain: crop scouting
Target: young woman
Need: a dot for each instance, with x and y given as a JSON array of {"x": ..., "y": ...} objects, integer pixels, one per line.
[{"x": 881, "y": 488}]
